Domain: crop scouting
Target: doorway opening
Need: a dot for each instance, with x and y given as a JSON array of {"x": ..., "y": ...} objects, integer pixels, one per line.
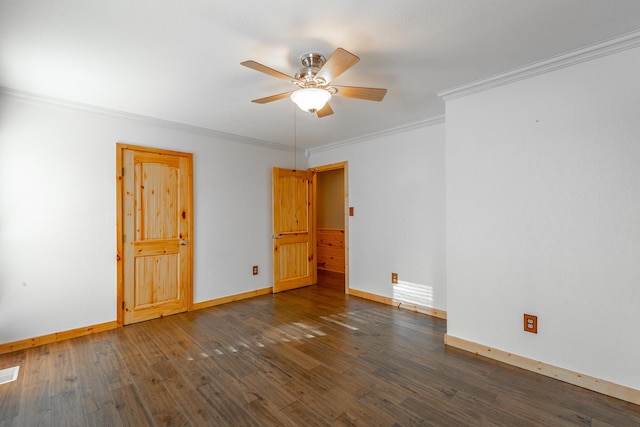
[{"x": 332, "y": 211}]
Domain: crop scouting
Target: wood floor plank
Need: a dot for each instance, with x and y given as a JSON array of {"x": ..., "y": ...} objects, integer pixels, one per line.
[
  {"x": 425, "y": 377},
  {"x": 229, "y": 358},
  {"x": 66, "y": 409},
  {"x": 360, "y": 410},
  {"x": 111, "y": 361},
  {"x": 299, "y": 357},
  {"x": 35, "y": 405},
  {"x": 265, "y": 365},
  {"x": 130, "y": 407},
  {"x": 227, "y": 409},
  {"x": 312, "y": 378},
  {"x": 10, "y": 393},
  {"x": 435, "y": 412},
  {"x": 166, "y": 342},
  {"x": 474, "y": 410},
  {"x": 330, "y": 408},
  {"x": 104, "y": 417},
  {"x": 94, "y": 390},
  {"x": 65, "y": 378},
  {"x": 530, "y": 384},
  {"x": 83, "y": 350},
  {"x": 538, "y": 412},
  {"x": 35, "y": 400},
  {"x": 331, "y": 279},
  {"x": 266, "y": 387},
  {"x": 162, "y": 408},
  {"x": 194, "y": 407},
  {"x": 147, "y": 346},
  {"x": 305, "y": 415},
  {"x": 269, "y": 414},
  {"x": 354, "y": 382},
  {"x": 394, "y": 392},
  {"x": 194, "y": 373},
  {"x": 387, "y": 404},
  {"x": 312, "y": 356},
  {"x": 603, "y": 408}
]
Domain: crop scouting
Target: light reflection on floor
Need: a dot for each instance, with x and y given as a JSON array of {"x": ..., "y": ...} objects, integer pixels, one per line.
[{"x": 287, "y": 333}]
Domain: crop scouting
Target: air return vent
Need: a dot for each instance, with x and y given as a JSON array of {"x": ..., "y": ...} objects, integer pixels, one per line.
[{"x": 9, "y": 374}]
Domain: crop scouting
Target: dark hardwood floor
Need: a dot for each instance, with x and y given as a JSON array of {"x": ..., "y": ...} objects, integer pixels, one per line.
[
  {"x": 309, "y": 357},
  {"x": 331, "y": 279}
]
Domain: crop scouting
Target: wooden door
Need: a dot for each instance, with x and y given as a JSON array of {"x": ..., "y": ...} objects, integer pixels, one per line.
[
  {"x": 293, "y": 230},
  {"x": 156, "y": 233}
]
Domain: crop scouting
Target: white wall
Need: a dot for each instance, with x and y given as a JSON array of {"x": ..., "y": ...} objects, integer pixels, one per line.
[
  {"x": 57, "y": 214},
  {"x": 396, "y": 185},
  {"x": 543, "y": 217}
]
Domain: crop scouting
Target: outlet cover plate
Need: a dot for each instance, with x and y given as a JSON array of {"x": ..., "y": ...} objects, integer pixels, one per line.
[{"x": 531, "y": 323}]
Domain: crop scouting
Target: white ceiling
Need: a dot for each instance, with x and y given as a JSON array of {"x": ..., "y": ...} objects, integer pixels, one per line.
[{"x": 179, "y": 60}]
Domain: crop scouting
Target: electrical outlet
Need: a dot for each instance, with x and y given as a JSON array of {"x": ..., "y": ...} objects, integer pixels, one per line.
[
  {"x": 255, "y": 270},
  {"x": 394, "y": 278},
  {"x": 531, "y": 323}
]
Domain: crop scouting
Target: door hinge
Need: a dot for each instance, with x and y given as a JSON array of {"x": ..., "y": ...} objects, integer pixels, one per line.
[
  {"x": 123, "y": 238},
  {"x": 123, "y": 305},
  {"x": 122, "y": 172}
]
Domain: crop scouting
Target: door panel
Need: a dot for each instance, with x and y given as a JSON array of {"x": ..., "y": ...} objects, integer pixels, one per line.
[
  {"x": 157, "y": 208},
  {"x": 155, "y": 279},
  {"x": 294, "y": 238},
  {"x": 293, "y": 260},
  {"x": 157, "y": 222}
]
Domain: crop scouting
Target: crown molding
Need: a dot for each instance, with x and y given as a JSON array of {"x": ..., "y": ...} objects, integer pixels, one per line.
[
  {"x": 435, "y": 120},
  {"x": 608, "y": 47},
  {"x": 78, "y": 106}
]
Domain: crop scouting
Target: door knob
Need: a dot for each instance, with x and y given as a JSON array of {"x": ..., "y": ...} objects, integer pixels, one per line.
[
  {"x": 184, "y": 242},
  {"x": 277, "y": 236}
]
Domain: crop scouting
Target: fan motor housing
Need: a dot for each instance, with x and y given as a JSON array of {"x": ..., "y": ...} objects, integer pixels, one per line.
[
  {"x": 312, "y": 60},
  {"x": 312, "y": 63}
]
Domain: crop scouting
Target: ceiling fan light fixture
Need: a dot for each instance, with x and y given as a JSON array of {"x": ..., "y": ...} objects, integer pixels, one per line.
[{"x": 311, "y": 99}]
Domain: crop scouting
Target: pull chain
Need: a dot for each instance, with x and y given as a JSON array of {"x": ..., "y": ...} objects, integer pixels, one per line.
[
  {"x": 295, "y": 137},
  {"x": 295, "y": 163}
]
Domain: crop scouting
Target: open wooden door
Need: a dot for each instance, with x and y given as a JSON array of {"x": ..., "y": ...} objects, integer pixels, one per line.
[
  {"x": 293, "y": 230},
  {"x": 156, "y": 226}
]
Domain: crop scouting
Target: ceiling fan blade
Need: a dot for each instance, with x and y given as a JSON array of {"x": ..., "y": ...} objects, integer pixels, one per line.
[
  {"x": 339, "y": 62},
  {"x": 264, "y": 69},
  {"x": 273, "y": 97},
  {"x": 324, "y": 111},
  {"x": 368, "y": 93}
]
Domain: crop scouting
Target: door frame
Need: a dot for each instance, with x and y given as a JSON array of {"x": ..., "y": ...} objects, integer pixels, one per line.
[
  {"x": 120, "y": 147},
  {"x": 325, "y": 168}
]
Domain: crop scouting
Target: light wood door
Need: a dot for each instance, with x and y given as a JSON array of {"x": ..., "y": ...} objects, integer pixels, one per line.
[
  {"x": 293, "y": 230},
  {"x": 157, "y": 228}
]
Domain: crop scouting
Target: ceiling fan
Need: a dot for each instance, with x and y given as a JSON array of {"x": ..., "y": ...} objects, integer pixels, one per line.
[{"x": 314, "y": 82}]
